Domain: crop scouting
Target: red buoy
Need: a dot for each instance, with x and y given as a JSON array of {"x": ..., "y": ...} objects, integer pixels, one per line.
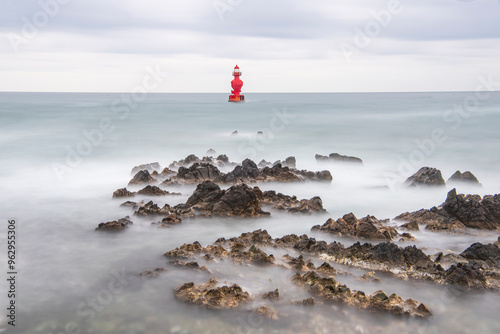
[{"x": 236, "y": 84}]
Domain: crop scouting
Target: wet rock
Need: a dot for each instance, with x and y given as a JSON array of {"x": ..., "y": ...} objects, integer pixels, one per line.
[
  {"x": 198, "y": 173},
  {"x": 411, "y": 226},
  {"x": 272, "y": 295},
  {"x": 154, "y": 166},
  {"x": 118, "y": 225},
  {"x": 474, "y": 211},
  {"x": 426, "y": 176},
  {"x": 267, "y": 312},
  {"x": 335, "y": 157},
  {"x": 436, "y": 219},
  {"x": 142, "y": 177},
  {"x": 466, "y": 177},
  {"x": 120, "y": 193},
  {"x": 211, "y": 296},
  {"x": 291, "y": 204},
  {"x": 152, "y": 191},
  {"x": 368, "y": 227}
]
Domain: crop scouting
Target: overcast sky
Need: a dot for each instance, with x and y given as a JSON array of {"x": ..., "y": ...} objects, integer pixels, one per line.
[{"x": 280, "y": 46}]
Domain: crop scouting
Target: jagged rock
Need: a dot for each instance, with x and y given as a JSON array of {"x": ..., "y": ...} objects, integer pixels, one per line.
[
  {"x": 426, "y": 176},
  {"x": 411, "y": 226},
  {"x": 239, "y": 200},
  {"x": 473, "y": 211},
  {"x": 185, "y": 251},
  {"x": 167, "y": 172},
  {"x": 466, "y": 177},
  {"x": 272, "y": 295},
  {"x": 465, "y": 274},
  {"x": 322, "y": 176},
  {"x": 370, "y": 276},
  {"x": 169, "y": 221},
  {"x": 327, "y": 269},
  {"x": 193, "y": 265},
  {"x": 142, "y": 177},
  {"x": 211, "y": 152},
  {"x": 154, "y": 166},
  {"x": 198, "y": 173},
  {"x": 329, "y": 289},
  {"x": 435, "y": 219},
  {"x": 118, "y": 225},
  {"x": 152, "y": 191},
  {"x": 267, "y": 312},
  {"x": 263, "y": 163},
  {"x": 253, "y": 255},
  {"x": 407, "y": 237},
  {"x": 490, "y": 254},
  {"x": 290, "y": 162},
  {"x": 223, "y": 159},
  {"x": 123, "y": 193},
  {"x": 368, "y": 227},
  {"x": 448, "y": 260},
  {"x": 151, "y": 208},
  {"x": 304, "y": 302},
  {"x": 212, "y": 297},
  {"x": 291, "y": 204},
  {"x": 335, "y": 157}
]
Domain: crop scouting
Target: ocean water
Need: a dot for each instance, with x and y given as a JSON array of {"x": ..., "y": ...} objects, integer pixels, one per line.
[{"x": 63, "y": 155}]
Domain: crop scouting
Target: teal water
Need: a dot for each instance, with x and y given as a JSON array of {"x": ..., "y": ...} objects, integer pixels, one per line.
[{"x": 62, "y": 156}]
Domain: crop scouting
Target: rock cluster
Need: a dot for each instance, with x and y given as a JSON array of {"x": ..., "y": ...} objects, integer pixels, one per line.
[
  {"x": 335, "y": 157},
  {"x": 115, "y": 225},
  {"x": 291, "y": 203},
  {"x": 368, "y": 227},
  {"x": 466, "y": 177}
]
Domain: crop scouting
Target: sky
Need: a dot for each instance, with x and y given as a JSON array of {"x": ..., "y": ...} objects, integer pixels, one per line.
[{"x": 280, "y": 45}]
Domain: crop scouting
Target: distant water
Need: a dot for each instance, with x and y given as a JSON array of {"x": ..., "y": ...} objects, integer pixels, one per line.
[{"x": 62, "y": 156}]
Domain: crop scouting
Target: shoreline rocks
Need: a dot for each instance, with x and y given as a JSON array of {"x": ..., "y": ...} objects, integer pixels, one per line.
[
  {"x": 115, "y": 225},
  {"x": 425, "y": 177},
  {"x": 464, "y": 178},
  {"x": 291, "y": 203},
  {"x": 335, "y": 157}
]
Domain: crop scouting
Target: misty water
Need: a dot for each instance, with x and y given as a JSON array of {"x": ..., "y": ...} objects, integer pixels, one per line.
[{"x": 58, "y": 196}]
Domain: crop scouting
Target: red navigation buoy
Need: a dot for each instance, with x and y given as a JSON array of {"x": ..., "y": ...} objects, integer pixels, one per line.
[{"x": 236, "y": 85}]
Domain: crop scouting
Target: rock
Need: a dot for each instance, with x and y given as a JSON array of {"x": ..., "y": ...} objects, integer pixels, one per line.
[
  {"x": 142, "y": 177},
  {"x": 368, "y": 227},
  {"x": 193, "y": 265},
  {"x": 260, "y": 133},
  {"x": 152, "y": 191},
  {"x": 426, "y": 176},
  {"x": 263, "y": 163},
  {"x": 154, "y": 166},
  {"x": 411, "y": 226},
  {"x": 490, "y": 254},
  {"x": 473, "y": 211},
  {"x": 335, "y": 157},
  {"x": 290, "y": 162},
  {"x": 234, "y": 133},
  {"x": 253, "y": 255},
  {"x": 223, "y": 159},
  {"x": 115, "y": 225},
  {"x": 152, "y": 274},
  {"x": 211, "y": 152},
  {"x": 267, "y": 312},
  {"x": 151, "y": 208},
  {"x": 407, "y": 237},
  {"x": 304, "y": 302},
  {"x": 291, "y": 204},
  {"x": 322, "y": 176},
  {"x": 198, "y": 173},
  {"x": 212, "y": 297},
  {"x": 272, "y": 295},
  {"x": 464, "y": 274},
  {"x": 170, "y": 220},
  {"x": 185, "y": 251},
  {"x": 370, "y": 276},
  {"x": 123, "y": 193},
  {"x": 435, "y": 219},
  {"x": 466, "y": 177},
  {"x": 327, "y": 269},
  {"x": 239, "y": 200}
]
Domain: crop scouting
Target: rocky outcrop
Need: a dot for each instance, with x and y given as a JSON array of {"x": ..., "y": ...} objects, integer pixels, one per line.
[
  {"x": 154, "y": 191},
  {"x": 142, "y": 177},
  {"x": 488, "y": 254},
  {"x": 115, "y": 225},
  {"x": 321, "y": 176},
  {"x": 291, "y": 203},
  {"x": 210, "y": 296},
  {"x": 411, "y": 226},
  {"x": 435, "y": 219},
  {"x": 335, "y": 157},
  {"x": 465, "y": 178},
  {"x": 474, "y": 211},
  {"x": 368, "y": 227},
  {"x": 331, "y": 290},
  {"x": 198, "y": 173},
  {"x": 426, "y": 177},
  {"x": 120, "y": 193},
  {"x": 154, "y": 166}
]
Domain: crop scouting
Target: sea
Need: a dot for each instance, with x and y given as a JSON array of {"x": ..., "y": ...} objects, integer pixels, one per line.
[{"x": 63, "y": 155}]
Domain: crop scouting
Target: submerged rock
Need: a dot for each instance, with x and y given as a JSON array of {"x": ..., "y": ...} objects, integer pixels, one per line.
[
  {"x": 426, "y": 176},
  {"x": 368, "y": 227},
  {"x": 115, "y": 225},
  {"x": 466, "y": 177},
  {"x": 335, "y": 157},
  {"x": 142, "y": 177},
  {"x": 211, "y": 296},
  {"x": 151, "y": 167},
  {"x": 154, "y": 191}
]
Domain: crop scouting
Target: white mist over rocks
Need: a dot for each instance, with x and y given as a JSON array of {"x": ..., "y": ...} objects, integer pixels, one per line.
[{"x": 57, "y": 183}]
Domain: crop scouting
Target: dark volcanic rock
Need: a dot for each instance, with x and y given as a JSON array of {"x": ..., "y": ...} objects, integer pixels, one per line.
[
  {"x": 489, "y": 253},
  {"x": 466, "y": 177},
  {"x": 426, "y": 176},
  {"x": 465, "y": 274},
  {"x": 335, "y": 157},
  {"x": 211, "y": 296},
  {"x": 142, "y": 177},
  {"x": 115, "y": 225},
  {"x": 152, "y": 191},
  {"x": 198, "y": 173},
  {"x": 123, "y": 193},
  {"x": 154, "y": 166},
  {"x": 435, "y": 219},
  {"x": 291, "y": 204},
  {"x": 473, "y": 211},
  {"x": 368, "y": 227}
]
